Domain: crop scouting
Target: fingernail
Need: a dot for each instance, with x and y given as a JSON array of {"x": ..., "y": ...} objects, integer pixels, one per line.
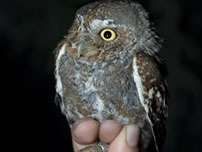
[{"x": 133, "y": 133}]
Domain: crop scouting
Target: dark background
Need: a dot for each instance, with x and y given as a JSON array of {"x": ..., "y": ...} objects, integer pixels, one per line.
[{"x": 29, "y": 32}]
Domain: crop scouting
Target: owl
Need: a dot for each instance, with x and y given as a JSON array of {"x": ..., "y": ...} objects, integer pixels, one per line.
[{"x": 108, "y": 67}]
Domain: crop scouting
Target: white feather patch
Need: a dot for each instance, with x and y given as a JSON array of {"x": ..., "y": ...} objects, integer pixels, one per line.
[
  {"x": 151, "y": 92},
  {"x": 100, "y": 106},
  {"x": 89, "y": 85},
  {"x": 160, "y": 97},
  {"x": 158, "y": 94},
  {"x": 59, "y": 82}
]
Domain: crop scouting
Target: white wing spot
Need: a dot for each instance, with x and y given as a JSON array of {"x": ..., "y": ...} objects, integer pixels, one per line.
[
  {"x": 151, "y": 92},
  {"x": 159, "y": 96}
]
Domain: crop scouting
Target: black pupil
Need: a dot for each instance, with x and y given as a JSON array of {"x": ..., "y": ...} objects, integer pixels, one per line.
[{"x": 107, "y": 34}]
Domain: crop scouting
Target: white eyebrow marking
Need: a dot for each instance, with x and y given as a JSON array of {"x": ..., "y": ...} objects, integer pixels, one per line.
[{"x": 97, "y": 23}]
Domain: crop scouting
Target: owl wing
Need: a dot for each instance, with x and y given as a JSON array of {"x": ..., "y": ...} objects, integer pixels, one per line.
[
  {"x": 59, "y": 52},
  {"x": 150, "y": 77}
]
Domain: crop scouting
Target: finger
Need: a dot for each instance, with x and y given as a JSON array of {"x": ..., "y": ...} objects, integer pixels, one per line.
[
  {"x": 127, "y": 140},
  {"x": 84, "y": 133},
  {"x": 109, "y": 129}
]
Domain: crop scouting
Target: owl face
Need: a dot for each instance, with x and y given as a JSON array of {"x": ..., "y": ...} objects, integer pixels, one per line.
[{"x": 100, "y": 30}]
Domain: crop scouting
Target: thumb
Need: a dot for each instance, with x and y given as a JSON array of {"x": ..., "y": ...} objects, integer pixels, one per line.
[{"x": 127, "y": 140}]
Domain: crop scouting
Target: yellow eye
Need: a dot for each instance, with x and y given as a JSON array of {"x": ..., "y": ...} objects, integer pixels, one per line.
[{"x": 108, "y": 34}]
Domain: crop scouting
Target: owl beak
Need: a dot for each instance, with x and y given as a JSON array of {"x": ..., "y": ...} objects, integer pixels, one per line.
[
  {"x": 85, "y": 51},
  {"x": 80, "y": 49}
]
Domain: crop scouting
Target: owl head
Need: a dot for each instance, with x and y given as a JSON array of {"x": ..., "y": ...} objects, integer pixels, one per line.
[{"x": 105, "y": 29}]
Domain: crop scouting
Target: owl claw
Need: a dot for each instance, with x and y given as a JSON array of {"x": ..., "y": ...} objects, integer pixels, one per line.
[{"x": 96, "y": 148}]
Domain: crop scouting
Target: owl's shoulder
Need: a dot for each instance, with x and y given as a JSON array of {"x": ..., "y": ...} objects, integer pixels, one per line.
[
  {"x": 151, "y": 68},
  {"x": 153, "y": 74}
]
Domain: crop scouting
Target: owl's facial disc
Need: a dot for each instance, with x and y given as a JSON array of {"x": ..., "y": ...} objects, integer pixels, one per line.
[
  {"x": 88, "y": 36},
  {"x": 98, "y": 38}
]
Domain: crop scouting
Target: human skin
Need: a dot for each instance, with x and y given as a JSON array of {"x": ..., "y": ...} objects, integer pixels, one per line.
[{"x": 120, "y": 138}]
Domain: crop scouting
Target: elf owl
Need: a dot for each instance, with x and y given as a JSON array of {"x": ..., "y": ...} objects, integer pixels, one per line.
[{"x": 108, "y": 67}]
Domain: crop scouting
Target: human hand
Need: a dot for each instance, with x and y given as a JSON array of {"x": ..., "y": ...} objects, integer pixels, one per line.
[{"x": 120, "y": 138}]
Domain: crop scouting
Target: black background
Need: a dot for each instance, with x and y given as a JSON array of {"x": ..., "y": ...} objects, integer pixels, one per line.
[{"x": 29, "y": 32}]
